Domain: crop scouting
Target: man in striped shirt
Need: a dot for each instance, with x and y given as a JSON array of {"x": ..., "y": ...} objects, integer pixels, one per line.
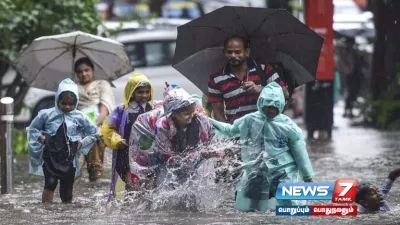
[{"x": 233, "y": 91}]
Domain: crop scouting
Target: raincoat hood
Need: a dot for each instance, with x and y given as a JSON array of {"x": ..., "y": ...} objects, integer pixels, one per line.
[
  {"x": 271, "y": 95},
  {"x": 175, "y": 98},
  {"x": 134, "y": 82},
  {"x": 67, "y": 85}
]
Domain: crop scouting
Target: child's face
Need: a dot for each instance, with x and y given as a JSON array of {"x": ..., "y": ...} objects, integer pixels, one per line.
[
  {"x": 141, "y": 94},
  {"x": 66, "y": 103},
  {"x": 185, "y": 117},
  {"x": 373, "y": 200},
  {"x": 270, "y": 111}
]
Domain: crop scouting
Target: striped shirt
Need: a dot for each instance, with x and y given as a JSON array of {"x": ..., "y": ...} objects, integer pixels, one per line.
[{"x": 224, "y": 86}]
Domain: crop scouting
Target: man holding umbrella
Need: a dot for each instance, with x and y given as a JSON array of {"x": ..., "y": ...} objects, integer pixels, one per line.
[
  {"x": 233, "y": 91},
  {"x": 237, "y": 86}
]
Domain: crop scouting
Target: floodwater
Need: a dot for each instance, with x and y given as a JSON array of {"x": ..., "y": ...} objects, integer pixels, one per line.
[{"x": 354, "y": 152}]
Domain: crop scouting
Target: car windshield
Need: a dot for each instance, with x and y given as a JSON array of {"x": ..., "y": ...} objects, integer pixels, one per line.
[{"x": 151, "y": 53}]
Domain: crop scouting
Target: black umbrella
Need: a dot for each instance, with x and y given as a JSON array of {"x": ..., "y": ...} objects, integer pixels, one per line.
[{"x": 275, "y": 36}]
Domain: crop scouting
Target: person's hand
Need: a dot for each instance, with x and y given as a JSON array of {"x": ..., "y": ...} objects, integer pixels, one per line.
[
  {"x": 122, "y": 145},
  {"x": 251, "y": 87},
  {"x": 42, "y": 138},
  {"x": 394, "y": 174},
  {"x": 79, "y": 145},
  {"x": 309, "y": 180}
]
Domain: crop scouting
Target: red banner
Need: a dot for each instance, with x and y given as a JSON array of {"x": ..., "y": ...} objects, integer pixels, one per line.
[
  {"x": 319, "y": 17},
  {"x": 331, "y": 210}
]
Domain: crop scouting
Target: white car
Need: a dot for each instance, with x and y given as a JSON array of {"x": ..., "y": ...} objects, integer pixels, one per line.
[
  {"x": 350, "y": 20},
  {"x": 151, "y": 53}
]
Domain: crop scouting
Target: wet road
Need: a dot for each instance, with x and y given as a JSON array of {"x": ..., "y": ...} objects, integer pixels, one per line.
[{"x": 354, "y": 152}]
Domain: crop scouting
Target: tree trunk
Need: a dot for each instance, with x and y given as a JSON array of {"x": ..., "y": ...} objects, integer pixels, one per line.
[{"x": 385, "y": 46}]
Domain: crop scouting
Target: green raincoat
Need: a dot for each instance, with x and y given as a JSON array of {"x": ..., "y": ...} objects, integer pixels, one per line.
[{"x": 273, "y": 151}]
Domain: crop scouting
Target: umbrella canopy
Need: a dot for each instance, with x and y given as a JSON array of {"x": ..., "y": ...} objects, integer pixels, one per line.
[
  {"x": 275, "y": 36},
  {"x": 50, "y": 59}
]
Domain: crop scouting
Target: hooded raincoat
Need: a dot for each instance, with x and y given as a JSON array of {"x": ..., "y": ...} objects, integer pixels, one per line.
[
  {"x": 273, "y": 151},
  {"x": 49, "y": 120},
  {"x": 117, "y": 128},
  {"x": 113, "y": 130},
  {"x": 154, "y": 136}
]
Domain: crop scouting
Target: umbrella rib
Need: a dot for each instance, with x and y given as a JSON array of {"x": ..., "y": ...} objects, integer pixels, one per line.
[
  {"x": 262, "y": 22},
  {"x": 45, "y": 49},
  {"x": 41, "y": 68},
  {"x": 62, "y": 42},
  {"x": 97, "y": 50},
  {"x": 89, "y": 42},
  {"x": 238, "y": 17}
]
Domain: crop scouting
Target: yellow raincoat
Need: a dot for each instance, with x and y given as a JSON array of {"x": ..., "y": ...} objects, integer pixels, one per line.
[{"x": 114, "y": 132}]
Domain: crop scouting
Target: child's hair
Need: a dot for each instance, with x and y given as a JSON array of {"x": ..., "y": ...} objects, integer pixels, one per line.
[
  {"x": 362, "y": 190},
  {"x": 84, "y": 60},
  {"x": 67, "y": 94}
]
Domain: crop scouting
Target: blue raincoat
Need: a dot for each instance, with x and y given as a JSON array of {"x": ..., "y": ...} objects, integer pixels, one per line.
[
  {"x": 273, "y": 151},
  {"x": 49, "y": 120}
]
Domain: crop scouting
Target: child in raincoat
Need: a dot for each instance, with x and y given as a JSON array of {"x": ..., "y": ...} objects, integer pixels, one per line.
[
  {"x": 138, "y": 98},
  {"x": 177, "y": 130},
  {"x": 273, "y": 150},
  {"x": 55, "y": 142}
]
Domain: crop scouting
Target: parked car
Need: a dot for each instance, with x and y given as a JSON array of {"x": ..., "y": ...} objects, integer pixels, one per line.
[
  {"x": 350, "y": 20},
  {"x": 128, "y": 27},
  {"x": 151, "y": 52}
]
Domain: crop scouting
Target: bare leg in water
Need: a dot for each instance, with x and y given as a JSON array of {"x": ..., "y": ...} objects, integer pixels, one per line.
[{"x": 47, "y": 196}]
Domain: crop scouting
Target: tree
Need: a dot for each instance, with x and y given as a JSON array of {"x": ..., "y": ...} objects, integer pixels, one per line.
[
  {"x": 22, "y": 21},
  {"x": 386, "y": 17}
]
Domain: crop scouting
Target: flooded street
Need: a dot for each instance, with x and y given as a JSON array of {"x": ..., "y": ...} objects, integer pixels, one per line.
[{"x": 354, "y": 152}]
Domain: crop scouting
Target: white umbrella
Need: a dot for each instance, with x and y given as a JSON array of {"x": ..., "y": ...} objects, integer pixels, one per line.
[{"x": 50, "y": 59}]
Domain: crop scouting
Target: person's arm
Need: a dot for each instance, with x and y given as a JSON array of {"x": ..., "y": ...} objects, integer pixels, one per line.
[
  {"x": 229, "y": 130},
  {"x": 216, "y": 99},
  {"x": 103, "y": 113},
  {"x": 36, "y": 139},
  {"x": 107, "y": 102},
  {"x": 111, "y": 137},
  {"x": 91, "y": 134},
  {"x": 387, "y": 184},
  {"x": 141, "y": 146},
  {"x": 218, "y": 110},
  {"x": 298, "y": 149},
  {"x": 270, "y": 74},
  {"x": 109, "y": 130}
]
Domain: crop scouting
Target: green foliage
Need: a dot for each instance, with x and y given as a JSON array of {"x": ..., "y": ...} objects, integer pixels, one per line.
[
  {"x": 385, "y": 112},
  {"x": 20, "y": 142},
  {"x": 21, "y": 21}
]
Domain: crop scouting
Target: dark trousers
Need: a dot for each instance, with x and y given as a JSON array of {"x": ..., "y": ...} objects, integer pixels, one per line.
[
  {"x": 66, "y": 183},
  {"x": 353, "y": 88}
]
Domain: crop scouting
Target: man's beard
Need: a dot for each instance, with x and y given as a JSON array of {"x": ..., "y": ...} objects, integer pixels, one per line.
[{"x": 236, "y": 62}]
